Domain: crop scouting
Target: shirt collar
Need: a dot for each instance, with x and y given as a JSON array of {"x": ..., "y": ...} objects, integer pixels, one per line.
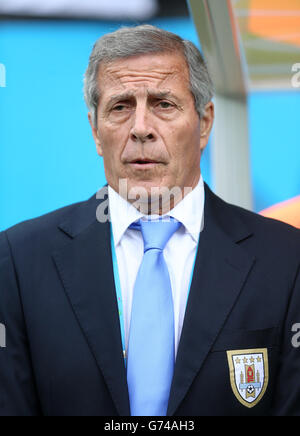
[
  {"x": 189, "y": 211},
  {"x": 122, "y": 214}
]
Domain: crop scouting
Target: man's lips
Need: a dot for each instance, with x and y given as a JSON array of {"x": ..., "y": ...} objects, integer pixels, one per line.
[{"x": 144, "y": 163}]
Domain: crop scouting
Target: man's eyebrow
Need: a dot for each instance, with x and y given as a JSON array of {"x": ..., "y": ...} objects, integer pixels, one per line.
[
  {"x": 160, "y": 94},
  {"x": 120, "y": 97},
  {"x": 150, "y": 93}
]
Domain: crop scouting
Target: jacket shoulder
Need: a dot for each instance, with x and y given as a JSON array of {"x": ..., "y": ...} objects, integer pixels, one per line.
[
  {"x": 43, "y": 228},
  {"x": 269, "y": 227},
  {"x": 268, "y": 232}
]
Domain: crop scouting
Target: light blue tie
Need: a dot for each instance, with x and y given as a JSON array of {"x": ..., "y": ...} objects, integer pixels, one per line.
[{"x": 150, "y": 362}]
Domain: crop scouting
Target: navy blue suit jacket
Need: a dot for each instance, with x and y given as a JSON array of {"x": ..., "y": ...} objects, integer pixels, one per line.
[{"x": 63, "y": 352}]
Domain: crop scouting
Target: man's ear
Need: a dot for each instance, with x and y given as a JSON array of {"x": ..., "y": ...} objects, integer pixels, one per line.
[
  {"x": 95, "y": 135},
  {"x": 206, "y": 124}
]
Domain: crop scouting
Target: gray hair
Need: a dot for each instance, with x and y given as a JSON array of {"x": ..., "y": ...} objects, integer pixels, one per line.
[{"x": 140, "y": 40}]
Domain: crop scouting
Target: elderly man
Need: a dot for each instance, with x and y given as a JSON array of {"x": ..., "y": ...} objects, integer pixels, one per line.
[{"x": 157, "y": 298}]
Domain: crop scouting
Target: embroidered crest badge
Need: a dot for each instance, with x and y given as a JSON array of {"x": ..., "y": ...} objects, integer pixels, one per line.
[{"x": 249, "y": 374}]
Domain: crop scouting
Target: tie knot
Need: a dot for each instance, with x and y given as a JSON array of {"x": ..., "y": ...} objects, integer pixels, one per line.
[{"x": 156, "y": 234}]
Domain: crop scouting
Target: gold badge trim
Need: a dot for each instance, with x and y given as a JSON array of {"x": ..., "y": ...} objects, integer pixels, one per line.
[{"x": 237, "y": 353}]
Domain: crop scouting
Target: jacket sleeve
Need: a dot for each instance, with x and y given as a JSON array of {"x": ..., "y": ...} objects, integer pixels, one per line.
[
  {"x": 287, "y": 394},
  {"x": 18, "y": 395}
]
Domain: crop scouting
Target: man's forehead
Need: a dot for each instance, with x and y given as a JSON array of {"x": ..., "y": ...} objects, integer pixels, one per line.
[{"x": 155, "y": 69}]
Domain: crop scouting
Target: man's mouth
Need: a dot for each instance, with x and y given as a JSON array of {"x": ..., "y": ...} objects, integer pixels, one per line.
[{"x": 144, "y": 163}]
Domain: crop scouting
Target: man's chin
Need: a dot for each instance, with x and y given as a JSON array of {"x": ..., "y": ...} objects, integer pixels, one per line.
[{"x": 150, "y": 197}]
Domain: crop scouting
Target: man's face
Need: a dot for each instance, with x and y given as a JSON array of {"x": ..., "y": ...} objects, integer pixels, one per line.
[{"x": 148, "y": 130}]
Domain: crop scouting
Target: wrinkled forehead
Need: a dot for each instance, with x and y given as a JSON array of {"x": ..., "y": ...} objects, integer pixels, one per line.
[{"x": 151, "y": 71}]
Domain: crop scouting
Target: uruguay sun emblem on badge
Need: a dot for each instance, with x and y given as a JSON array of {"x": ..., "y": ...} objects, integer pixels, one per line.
[{"x": 249, "y": 374}]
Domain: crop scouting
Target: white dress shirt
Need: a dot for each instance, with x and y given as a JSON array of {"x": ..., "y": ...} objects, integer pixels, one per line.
[{"x": 179, "y": 252}]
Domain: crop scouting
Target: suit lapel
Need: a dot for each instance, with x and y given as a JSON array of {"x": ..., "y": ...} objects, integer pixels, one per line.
[
  {"x": 220, "y": 271},
  {"x": 85, "y": 268}
]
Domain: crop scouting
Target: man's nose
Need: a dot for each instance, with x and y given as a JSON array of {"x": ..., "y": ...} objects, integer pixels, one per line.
[{"x": 142, "y": 130}]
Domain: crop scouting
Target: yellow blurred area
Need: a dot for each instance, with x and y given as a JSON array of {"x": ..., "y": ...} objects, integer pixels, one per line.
[
  {"x": 288, "y": 212},
  {"x": 278, "y": 20}
]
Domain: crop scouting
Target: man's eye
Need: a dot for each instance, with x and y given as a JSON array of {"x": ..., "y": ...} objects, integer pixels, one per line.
[
  {"x": 165, "y": 105},
  {"x": 119, "y": 108}
]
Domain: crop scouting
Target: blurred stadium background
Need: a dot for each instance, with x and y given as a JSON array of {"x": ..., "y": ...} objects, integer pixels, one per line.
[{"x": 47, "y": 155}]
